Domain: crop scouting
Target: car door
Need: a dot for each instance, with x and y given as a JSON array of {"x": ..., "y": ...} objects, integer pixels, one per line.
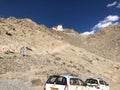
[
  {"x": 91, "y": 84},
  {"x": 104, "y": 85},
  {"x": 76, "y": 84}
]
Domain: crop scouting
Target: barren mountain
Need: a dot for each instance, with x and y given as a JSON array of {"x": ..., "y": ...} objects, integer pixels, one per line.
[
  {"x": 52, "y": 52},
  {"x": 106, "y": 43}
]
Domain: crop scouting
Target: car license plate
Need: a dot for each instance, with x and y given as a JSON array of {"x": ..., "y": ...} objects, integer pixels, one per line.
[{"x": 54, "y": 88}]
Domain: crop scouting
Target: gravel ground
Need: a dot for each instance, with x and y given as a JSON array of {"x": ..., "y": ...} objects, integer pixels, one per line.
[{"x": 14, "y": 85}]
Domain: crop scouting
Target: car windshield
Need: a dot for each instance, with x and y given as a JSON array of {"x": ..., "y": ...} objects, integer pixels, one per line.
[
  {"x": 103, "y": 82},
  {"x": 60, "y": 80}
]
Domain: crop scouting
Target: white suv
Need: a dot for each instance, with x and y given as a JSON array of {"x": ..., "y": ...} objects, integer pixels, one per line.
[
  {"x": 96, "y": 84},
  {"x": 64, "y": 82}
]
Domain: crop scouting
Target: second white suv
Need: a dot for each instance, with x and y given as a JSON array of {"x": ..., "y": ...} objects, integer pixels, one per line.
[
  {"x": 64, "y": 82},
  {"x": 96, "y": 84}
]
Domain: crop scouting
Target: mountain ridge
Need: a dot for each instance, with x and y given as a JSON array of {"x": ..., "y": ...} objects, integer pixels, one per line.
[{"x": 49, "y": 52}]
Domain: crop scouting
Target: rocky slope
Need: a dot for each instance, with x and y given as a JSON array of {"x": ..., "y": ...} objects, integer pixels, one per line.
[
  {"x": 51, "y": 52},
  {"x": 106, "y": 43}
]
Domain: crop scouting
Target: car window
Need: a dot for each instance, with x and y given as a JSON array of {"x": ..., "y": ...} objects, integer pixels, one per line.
[
  {"x": 75, "y": 81},
  {"x": 91, "y": 81},
  {"x": 60, "y": 80},
  {"x": 102, "y": 82},
  {"x": 51, "y": 79}
]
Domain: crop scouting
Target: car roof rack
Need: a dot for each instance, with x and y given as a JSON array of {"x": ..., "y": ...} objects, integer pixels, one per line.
[
  {"x": 69, "y": 74},
  {"x": 64, "y": 74},
  {"x": 95, "y": 78}
]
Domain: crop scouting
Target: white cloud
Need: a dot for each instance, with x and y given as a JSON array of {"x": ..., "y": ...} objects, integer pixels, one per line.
[
  {"x": 102, "y": 24},
  {"x": 118, "y": 6},
  {"x": 112, "y": 4},
  {"x": 115, "y": 3},
  {"x": 109, "y": 20},
  {"x": 112, "y": 18},
  {"x": 87, "y": 33}
]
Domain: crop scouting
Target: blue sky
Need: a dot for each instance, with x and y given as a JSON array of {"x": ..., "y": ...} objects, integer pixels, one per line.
[{"x": 86, "y": 16}]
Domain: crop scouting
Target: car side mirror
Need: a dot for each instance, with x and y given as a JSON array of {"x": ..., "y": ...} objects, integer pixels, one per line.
[{"x": 107, "y": 84}]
